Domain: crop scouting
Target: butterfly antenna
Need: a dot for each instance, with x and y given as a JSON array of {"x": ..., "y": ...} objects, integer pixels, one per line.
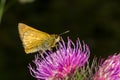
[{"x": 64, "y": 32}]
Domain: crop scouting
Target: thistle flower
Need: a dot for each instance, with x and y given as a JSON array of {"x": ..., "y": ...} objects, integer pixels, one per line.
[
  {"x": 61, "y": 64},
  {"x": 109, "y": 69}
]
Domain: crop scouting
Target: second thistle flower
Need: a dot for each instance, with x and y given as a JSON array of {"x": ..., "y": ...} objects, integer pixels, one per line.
[{"x": 110, "y": 69}]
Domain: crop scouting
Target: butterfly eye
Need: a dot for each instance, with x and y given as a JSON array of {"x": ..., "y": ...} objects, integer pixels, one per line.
[{"x": 56, "y": 36}]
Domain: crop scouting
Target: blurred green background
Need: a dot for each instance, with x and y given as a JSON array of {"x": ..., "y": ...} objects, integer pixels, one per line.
[{"x": 97, "y": 22}]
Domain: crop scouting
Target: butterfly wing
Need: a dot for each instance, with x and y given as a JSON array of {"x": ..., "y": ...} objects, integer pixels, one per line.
[{"x": 32, "y": 39}]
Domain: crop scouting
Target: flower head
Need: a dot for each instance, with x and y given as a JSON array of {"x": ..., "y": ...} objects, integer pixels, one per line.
[
  {"x": 62, "y": 63},
  {"x": 110, "y": 69}
]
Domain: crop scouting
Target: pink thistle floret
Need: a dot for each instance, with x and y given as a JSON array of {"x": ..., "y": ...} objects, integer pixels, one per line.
[
  {"x": 62, "y": 63},
  {"x": 109, "y": 69}
]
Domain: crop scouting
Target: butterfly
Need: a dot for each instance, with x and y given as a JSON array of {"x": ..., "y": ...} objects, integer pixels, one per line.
[{"x": 35, "y": 40}]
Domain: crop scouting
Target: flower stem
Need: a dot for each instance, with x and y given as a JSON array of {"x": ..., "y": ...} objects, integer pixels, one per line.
[{"x": 2, "y": 6}]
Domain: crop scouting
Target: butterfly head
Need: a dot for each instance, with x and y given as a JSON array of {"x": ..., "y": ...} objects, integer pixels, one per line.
[{"x": 56, "y": 38}]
